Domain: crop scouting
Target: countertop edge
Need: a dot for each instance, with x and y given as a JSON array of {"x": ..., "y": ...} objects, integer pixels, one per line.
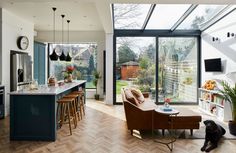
[{"x": 77, "y": 83}]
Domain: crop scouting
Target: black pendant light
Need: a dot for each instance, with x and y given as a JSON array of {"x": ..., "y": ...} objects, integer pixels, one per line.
[
  {"x": 54, "y": 55},
  {"x": 68, "y": 58},
  {"x": 62, "y": 56}
]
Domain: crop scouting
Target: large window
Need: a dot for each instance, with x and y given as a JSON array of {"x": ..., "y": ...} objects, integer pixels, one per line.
[
  {"x": 84, "y": 60},
  {"x": 136, "y": 64},
  {"x": 173, "y": 74},
  {"x": 177, "y": 69}
]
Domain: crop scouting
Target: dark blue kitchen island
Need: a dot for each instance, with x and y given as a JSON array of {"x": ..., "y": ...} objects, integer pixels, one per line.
[{"x": 33, "y": 113}]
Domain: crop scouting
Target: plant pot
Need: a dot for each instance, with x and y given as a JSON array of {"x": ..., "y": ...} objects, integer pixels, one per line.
[
  {"x": 232, "y": 127},
  {"x": 96, "y": 97},
  {"x": 145, "y": 94}
]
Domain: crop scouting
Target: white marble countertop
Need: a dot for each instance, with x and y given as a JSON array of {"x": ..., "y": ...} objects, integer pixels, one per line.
[{"x": 51, "y": 90}]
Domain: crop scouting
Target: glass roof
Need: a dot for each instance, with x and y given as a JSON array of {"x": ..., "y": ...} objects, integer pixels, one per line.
[
  {"x": 130, "y": 16},
  {"x": 200, "y": 16},
  {"x": 164, "y": 16}
]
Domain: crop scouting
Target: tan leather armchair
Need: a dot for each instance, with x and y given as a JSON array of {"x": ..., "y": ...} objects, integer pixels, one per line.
[{"x": 146, "y": 119}]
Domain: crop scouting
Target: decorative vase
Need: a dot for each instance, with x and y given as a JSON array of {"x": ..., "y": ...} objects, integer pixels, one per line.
[
  {"x": 166, "y": 105},
  {"x": 69, "y": 78},
  {"x": 232, "y": 127}
]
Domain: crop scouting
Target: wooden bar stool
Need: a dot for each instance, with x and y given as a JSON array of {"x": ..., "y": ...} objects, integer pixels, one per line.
[
  {"x": 67, "y": 114},
  {"x": 76, "y": 104},
  {"x": 81, "y": 94}
]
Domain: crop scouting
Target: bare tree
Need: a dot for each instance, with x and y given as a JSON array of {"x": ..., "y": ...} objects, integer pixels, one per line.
[{"x": 126, "y": 15}]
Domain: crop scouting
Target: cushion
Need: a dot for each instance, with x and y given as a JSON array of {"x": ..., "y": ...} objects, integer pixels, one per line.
[
  {"x": 138, "y": 95},
  {"x": 130, "y": 97},
  {"x": 147, "y": 105}
]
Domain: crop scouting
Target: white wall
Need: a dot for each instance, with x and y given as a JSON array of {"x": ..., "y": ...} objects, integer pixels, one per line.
[
  {"x": 81, "y": 37},
  {"x": 12, "y": 28},
  {"x": 225, "y": 49}
]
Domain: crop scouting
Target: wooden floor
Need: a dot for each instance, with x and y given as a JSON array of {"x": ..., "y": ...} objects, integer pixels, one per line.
[{"x": 102, "y": 130}]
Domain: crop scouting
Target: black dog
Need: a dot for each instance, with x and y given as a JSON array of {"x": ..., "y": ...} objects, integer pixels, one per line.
[{"x": 213, "y": 134}]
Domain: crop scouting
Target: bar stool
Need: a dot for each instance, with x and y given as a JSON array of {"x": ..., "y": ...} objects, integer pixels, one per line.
[
  {"x": 67, "y": 112},
  {"x": 76, "y": 104},
  {"x": 81, "y": 94}
]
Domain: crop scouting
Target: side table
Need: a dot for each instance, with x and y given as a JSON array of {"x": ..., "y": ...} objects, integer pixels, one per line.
[{"x": 173, "y": 112}]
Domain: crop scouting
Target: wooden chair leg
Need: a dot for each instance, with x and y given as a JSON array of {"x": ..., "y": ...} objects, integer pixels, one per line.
[
  {"x": 68, "y": 110},
  {"x": 74, "y": 113},
  {"x": 191, "y": 132},
  {"x": 63, "y": 114},
  {"x": 163, "y": 132},
  {"x": 131, "y": 131}
]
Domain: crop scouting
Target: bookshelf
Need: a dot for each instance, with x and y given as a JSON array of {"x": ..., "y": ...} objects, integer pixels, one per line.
[{"x": 213, "y": 103}]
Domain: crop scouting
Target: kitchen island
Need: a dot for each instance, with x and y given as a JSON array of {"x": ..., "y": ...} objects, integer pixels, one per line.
[{"x": 33, "y": 113}]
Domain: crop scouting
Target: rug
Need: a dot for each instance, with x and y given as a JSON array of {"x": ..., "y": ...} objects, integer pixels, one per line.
[{"x": 185, "y": 134}]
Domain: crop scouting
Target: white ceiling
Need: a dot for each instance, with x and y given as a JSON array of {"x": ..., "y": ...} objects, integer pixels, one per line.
[{"x": 85, "y": 15}]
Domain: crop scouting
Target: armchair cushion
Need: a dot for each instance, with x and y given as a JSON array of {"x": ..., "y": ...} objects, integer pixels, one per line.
[
  {"x": 130, "y": 97},
  {"x": 138, "y": 95}
]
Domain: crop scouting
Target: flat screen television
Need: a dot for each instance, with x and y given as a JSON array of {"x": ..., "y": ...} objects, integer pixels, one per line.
[{"x": 213, "y": 65}]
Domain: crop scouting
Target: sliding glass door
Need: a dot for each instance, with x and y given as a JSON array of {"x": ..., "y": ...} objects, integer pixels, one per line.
[
  {"x": 167, "y": 71},
  {"x": 177, "y": 69},
  {"x": 136, "y": 65}
]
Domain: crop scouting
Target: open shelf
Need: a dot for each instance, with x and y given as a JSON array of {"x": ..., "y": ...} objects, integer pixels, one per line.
[{"x": 213, "y": 103}]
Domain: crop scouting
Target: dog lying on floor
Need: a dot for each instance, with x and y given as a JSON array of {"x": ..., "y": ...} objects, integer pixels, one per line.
[{"x": 213, "y": 134}]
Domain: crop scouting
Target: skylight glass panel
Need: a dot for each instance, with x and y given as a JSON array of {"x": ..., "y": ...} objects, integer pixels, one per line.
[
  {"x": 130, "y": 16},
  {"x": 165, "y": 16},
  {"x": 200, "y": 16}
]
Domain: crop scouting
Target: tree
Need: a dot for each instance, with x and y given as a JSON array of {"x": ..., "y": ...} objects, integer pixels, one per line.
[
  {"x": 91, "y": 65},
  {"x": 151, "y": 50},
  {"x": 124, "y": 12},
  {"x": 197, "y": 21},
  {"x": 126, "y": 54},
  {"x": 144, "y": 62}
]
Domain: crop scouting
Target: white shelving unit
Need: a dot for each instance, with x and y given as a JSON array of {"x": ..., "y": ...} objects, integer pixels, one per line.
[{"x": 213, "y": 103}]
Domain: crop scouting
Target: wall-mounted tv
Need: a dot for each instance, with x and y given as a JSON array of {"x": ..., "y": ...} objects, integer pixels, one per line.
[{"x": 213, "y": 65}]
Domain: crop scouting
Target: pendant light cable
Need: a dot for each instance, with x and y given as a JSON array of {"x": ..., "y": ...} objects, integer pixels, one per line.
[
  {"x": 54, "y": 55},
  {"x": 68, "y": 58},
  {"x": 62, "y": 57}
]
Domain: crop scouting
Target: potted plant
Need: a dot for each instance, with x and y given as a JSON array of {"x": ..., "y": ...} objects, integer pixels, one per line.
[
  {"x": 229, "y": 94},
  {"x": 96, "y": 76},
  {"x": 145, "y": 89}
]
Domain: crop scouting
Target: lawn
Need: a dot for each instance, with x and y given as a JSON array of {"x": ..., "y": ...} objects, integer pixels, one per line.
[
  {"x": 90, "y": 85},
  {"x": 120, "y": 84}
]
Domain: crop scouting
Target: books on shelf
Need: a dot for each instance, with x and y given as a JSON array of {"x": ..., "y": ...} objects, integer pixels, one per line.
[{"x": 213, "y": 103}]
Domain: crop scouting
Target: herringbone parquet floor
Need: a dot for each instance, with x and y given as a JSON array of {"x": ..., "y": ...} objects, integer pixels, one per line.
[{"x": 102, "y": 130}]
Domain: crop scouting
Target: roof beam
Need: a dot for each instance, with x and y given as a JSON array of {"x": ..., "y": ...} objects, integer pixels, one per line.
[
  {"x": 216, "y": 18},
  {"x": 184, "y": 16},
  {"x": 152, "y": 7}
]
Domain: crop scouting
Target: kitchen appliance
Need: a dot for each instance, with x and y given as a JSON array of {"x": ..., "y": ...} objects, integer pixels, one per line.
[
  {"x": 2, "y": 103},
  {"x": 21, "y": 70}
]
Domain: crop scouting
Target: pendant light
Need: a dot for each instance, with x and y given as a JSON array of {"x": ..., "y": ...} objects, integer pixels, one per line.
[
  {"x": 54, "y": 55},
  {"x": 68, "y": 58},
  {"x": 62, "y": 56}
]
